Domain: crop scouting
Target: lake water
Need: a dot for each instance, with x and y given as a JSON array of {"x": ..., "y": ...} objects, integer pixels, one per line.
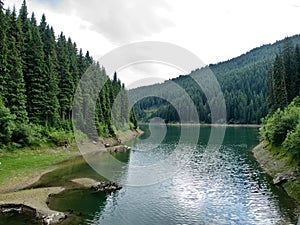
[{"x": 214, "y": 186}]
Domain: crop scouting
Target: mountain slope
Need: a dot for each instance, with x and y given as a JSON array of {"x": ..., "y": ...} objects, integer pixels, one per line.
[{"x": 242, "y": 80}]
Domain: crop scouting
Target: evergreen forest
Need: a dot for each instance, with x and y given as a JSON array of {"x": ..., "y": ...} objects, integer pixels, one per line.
[
  {"x": 39, "y": 74},
  {"x": 245, "y": 82}
]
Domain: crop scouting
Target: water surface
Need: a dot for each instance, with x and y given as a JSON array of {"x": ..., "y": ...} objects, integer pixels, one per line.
[{"x": 216, "y": 186}]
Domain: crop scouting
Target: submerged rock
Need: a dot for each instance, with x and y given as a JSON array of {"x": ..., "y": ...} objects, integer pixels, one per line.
[
  {"x": 54, "y": 218},
  {"x": 282, "y": 178},
  {"x": 279, "y": 179},
  {"x": 109, "y": 187},
  {"x": 119, "y": 148}
]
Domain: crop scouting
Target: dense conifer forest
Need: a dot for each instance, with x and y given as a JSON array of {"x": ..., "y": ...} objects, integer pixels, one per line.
[
  {"x": 244, "y": 83},
  {"x": 39, "y": 74}
]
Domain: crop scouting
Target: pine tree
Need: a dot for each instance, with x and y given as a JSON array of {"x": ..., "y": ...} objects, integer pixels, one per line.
[
  {"x": 25, "y": 28},
  {"x": 35, "y": 76},
  {"x": 66, "y": 84},
  {"x": 51, "y": 83},
  {"x": 72, "y": 54},
  {"x": 297, "y": 61},
  {"x": 82, "y": 66},
  {"x": 15, "y": 95},
  {"x": 270, "y": 97},
  {"x": 133, "y": 120},
  {"x": 290, "y": 68},
  {"x": 3, "y": 51},
  {"x": 280, "y": 91}
]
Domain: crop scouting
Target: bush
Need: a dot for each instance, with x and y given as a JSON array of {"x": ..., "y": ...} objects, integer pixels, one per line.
[
  {"x": 277, "y": 126},
  {"x": 283, "y": 129},
  {"x": 292, "y": 142},
  {"x": 29, "y": 135},
  {"x": 61, "y": 137},
  {"x": 7, "y": 125}
]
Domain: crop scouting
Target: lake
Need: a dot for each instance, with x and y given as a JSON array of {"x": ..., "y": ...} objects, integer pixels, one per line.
[{"x": 213, "y": 186}]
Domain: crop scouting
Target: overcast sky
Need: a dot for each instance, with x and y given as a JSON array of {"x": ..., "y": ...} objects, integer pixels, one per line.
[{"x": 214, "y": 30}]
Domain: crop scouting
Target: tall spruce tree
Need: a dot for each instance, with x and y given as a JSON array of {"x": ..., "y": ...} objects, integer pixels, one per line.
[
  {"x": 270, "y": 97},
  {"x": 297, "y": 62},
  {"x": 279, "y": 78},
  {"x": 66, "y": 84},
  {"x": 35, "y": 76},
  {"x": 15, "y": 96},
  {"x": 288, "y": 56},
  {"x": 25, "y": 28},
  {"x": 3, "y": 51},
  {"x": 51, "y": 82}
]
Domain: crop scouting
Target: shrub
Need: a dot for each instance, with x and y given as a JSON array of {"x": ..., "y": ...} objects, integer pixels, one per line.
[
  {"x": 29, "y": 135},
  {"x": 292, "y": 142},
  {"x": 7, "y": 125},
  {"x": 60, "y": 137},
  {"x": 278, "y": 125}
]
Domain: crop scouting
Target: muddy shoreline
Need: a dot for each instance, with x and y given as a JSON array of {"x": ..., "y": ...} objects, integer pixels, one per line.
[
  {"x": 35, "y": 201},
  {"x": 279, "y": 168}
]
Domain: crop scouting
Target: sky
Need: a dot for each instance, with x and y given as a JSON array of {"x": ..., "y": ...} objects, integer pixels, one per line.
[{"x": 214, "y": 30}]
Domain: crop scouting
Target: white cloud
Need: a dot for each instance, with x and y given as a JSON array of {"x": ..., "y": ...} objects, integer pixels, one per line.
[
  {"x": 214, "y": 30},
  {"x": 121, "y": 21},
  {"x": 147, "y": 73}
]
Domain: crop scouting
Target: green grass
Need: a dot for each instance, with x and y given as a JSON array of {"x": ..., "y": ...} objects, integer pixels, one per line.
[
  {"x": 24, "y": 162},
  {"x": 293, "y": 188}
]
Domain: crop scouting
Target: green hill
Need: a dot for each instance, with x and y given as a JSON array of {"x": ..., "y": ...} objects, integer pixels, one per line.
[{"x": 243, "y": 81}]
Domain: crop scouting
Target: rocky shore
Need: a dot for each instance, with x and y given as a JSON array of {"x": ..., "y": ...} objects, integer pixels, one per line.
[
  {"x": 280, "y": 169},
  {"x": 34, "y": 202},
  {"x": 97, "y": 185}
]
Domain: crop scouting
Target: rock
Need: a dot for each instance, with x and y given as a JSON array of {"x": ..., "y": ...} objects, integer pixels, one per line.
[
  {"x": 121, "y": 148},
  {"x": 279, "y": 179},
  {"x": 23, "y": 209},
  {"x": 282, "y": 178},
  {"x": 109, "y": 187},
  {"x": 106, "y": 145},
  {"x": 54, "y": 218}
]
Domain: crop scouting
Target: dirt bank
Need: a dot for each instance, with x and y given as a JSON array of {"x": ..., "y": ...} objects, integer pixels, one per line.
[{"x": 284, "y": 173}]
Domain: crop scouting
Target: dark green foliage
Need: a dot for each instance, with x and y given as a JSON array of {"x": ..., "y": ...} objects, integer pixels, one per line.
[
  {"x": 280, "y": 98},
  {"x": 289, "y": 64},
  {"x": 15, "y": 97},
  {"x": 7, "y": 124},
  {"x": 35, "y": 76},
  {"x": 28, "y": 135},
  {"x": 243, "y": 81},
  {"x": 283, "y": 79},
  {"x": 292, "y": 142},
  {"x": 3, "y": 50},
  {"x": 38, "y": 78},
  {"x": 282, "y": 128},
  {"x": 133, "y": 120}
]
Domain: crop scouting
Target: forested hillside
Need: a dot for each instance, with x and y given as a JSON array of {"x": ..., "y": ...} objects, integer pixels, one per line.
[
  {"x": 243, "y": 81},
  {"x": 281, "y": 128},
  {"x": 39, "y": 73}
]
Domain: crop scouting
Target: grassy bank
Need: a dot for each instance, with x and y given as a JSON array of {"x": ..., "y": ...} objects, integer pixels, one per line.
[
  {"x": 275, "y": 163},
  {"x": 23, "y": 167}
]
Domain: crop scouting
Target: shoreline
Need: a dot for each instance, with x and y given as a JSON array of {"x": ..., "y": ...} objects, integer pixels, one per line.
[
  {"x": 207, "y": 124},
  {"x": 16, "y": 198},
  {"x": 284, "y": 174}
]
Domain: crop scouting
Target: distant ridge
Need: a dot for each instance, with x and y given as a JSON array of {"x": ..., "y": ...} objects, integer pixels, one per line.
[{"x": 242, "y": 79}]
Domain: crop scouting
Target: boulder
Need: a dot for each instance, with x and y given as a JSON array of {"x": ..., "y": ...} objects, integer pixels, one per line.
[
  {"x": 54, "y": 218},
  {"x": 108, "y": 187},
  {"x": 279, "y": 179},
  {"x": 282, "y": 178}
]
